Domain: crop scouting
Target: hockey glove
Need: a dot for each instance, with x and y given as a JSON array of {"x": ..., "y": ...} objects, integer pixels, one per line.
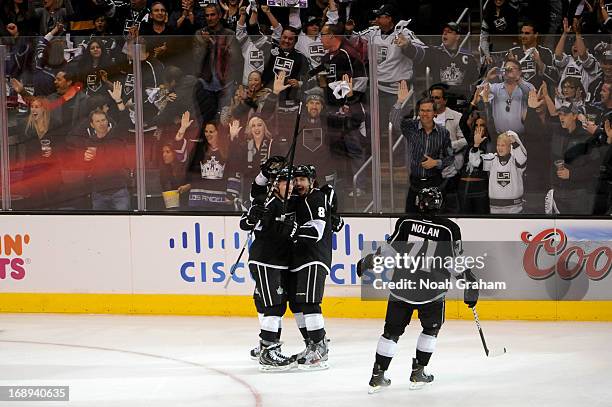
[
  {"x": 256, "y": 213},
  {"x": 365, "y": 264},
  {"x": 272, "y": 166},
  {"x": 287, "y": 228},
  {"x": 470, "y": 294},
  {"x": 337, "y": 223}
]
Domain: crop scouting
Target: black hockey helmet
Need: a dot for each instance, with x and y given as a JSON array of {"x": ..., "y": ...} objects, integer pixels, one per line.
[
  {"x": 429, "y": 199},
  {"x": 283, "y": 174},
  {"x": 306, "y": 170}
]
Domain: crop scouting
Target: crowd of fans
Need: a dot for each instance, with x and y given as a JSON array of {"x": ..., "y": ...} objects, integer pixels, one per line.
[{"x": 521, "y": 113}]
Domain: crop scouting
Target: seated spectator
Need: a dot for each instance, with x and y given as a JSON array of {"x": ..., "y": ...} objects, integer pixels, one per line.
[
  {"x": 505, "y": 169},
  {"x": 212, "y": 184},
  {"x": 172, "y": 177},
  {"x": 41, "y": 167}
]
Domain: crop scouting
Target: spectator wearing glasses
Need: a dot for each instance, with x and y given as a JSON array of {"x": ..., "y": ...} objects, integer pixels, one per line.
[{"x": 508, "y": 99}]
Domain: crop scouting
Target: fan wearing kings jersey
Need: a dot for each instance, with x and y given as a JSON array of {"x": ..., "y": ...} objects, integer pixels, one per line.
[{"x": 422, "y": 236}]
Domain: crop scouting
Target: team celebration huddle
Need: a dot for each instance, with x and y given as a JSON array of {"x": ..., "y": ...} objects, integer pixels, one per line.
[{"x": 292, "y": 219}]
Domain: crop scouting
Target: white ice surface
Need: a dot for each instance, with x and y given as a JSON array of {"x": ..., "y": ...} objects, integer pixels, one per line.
[{"x": 203, "y": 361}]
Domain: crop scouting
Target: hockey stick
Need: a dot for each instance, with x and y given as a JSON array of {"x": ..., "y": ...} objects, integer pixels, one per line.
[
  {"x": 490, "y": 353},
  {"x": 296, "y": 131}
]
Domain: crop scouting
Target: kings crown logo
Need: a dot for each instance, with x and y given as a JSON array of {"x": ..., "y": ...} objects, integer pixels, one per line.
[
  {"x": 452, "y": 75},
  {"x": 212, "y": 169}
]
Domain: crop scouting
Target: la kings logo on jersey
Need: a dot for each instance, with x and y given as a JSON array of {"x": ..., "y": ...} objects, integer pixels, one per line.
[
  {"x": 283, "y": 64},
  {"x": 574, "y": 70},
  {"x": 452, "y": 75},
  {"x": 256, "y": 59},
  {"x": 331, "y": 76},
  {"x": 93, "y": 84},
  {"x": 500, "y": 24},
  {"x": 312, "y": 139},
  {"x": 316, "y": 52},
  {"x": 529, "y": 69},
  {"x": 128, "y": 86},
  {"x": 381, "y": 55},
  {"x": 503, "y": 178},
  {"x": 212, "y": 169}
]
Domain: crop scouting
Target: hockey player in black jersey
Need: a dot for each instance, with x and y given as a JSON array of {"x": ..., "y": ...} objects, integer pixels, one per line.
[
  {"x": 269, "y": 259},
  {"x": 310, "y": 263},
  {"x": 418, "y": 236}
]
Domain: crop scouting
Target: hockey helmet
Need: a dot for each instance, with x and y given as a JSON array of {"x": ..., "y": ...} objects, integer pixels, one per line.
[
  {"x": 283, "y": 174},
  {"x": 429, "y": 199},
  {"x": 306, "y": 170}
]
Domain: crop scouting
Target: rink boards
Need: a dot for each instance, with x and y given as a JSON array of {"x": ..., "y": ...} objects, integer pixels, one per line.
[{"x": 180, "y": 264}]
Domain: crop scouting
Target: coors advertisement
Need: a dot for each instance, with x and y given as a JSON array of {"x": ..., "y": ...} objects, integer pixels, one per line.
[{"x": 564, "y": 262}]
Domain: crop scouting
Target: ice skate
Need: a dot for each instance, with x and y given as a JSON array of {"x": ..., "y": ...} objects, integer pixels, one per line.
[
  {"x": 378, "y": 379},
  {"x": 418, "y": 377},
  {"x": 271, "y": 359},
  {"x": 303, "y": 353},
  {"x": 254, "y": 353},
  {"x": 315, "y": 357}
]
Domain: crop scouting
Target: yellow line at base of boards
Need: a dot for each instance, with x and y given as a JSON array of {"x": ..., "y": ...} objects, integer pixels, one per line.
[{"x": 333, "y": 307}]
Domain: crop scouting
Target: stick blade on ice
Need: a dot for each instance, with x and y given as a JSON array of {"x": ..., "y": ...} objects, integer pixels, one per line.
[{"x": 496, "y": 352}]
